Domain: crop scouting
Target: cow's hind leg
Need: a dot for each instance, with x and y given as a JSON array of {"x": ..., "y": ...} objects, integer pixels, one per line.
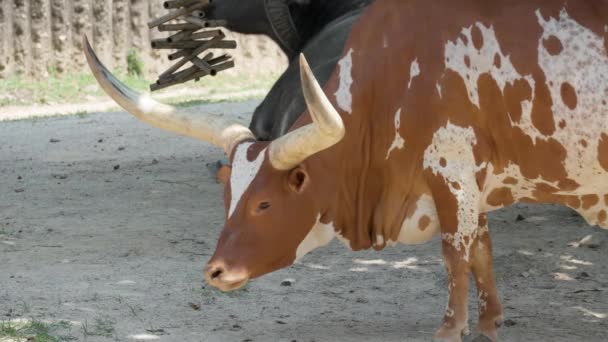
[{"x": 490, "y": 309}]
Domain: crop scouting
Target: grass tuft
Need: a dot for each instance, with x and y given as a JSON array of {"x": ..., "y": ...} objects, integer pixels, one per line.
[{"x": 34, "y": 331}]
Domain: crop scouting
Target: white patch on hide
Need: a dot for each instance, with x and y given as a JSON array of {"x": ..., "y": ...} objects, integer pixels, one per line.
[
  {"x": 414, "y": 72},
  {"x": 583, "y": 64},
  {"x": 379, "y": 240},
  {"x": 481, "y": 61},
  {"x": 343, "y": 239},
  {"x": 344, "y": 96},
  {"x": 410, "y": 233},
  {"x": 453, "y": 146},
  {"x": 398, "y": 143},
  {"x": 320, "y": 235},
  {"x": 242, "y": 174}
]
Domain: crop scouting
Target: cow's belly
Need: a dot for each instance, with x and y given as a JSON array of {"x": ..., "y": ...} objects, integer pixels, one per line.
[
  {"x": 589, "y": 199},
  {"x": 422, "y": 225}
]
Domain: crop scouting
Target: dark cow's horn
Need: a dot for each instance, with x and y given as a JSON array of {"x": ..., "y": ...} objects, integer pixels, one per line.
[
  {"x": 326, "y": 130},
  {"x": 210, "y": 128}
]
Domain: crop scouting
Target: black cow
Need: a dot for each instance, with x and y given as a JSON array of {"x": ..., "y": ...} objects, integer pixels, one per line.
[{"x": 318, "y": 28}]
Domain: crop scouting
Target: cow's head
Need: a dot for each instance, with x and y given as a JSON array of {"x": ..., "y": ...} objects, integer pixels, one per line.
[{"x": 270, "y": 199}]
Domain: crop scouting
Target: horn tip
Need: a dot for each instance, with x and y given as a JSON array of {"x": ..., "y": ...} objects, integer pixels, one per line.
[{"x": 303, "y": 61}]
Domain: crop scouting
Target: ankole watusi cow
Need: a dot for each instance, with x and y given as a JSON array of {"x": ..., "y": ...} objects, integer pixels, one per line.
[
  {"x": 438, "y": 113},
  {"x": 318, "y": 28}
]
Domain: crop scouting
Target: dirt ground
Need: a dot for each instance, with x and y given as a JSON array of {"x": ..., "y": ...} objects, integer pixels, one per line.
[{"x": 107, "y": 223}]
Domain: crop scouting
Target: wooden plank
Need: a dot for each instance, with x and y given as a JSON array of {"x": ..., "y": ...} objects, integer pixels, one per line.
[{"x": 22, "y": 36}]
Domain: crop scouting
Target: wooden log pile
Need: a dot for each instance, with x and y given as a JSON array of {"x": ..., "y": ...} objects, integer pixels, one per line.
[{"x": 191, "y": 36}]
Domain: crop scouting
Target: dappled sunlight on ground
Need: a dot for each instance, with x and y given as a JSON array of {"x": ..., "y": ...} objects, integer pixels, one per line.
[
  {"x": 590, "y": 313},
  {"x": 144, "y": 337}
]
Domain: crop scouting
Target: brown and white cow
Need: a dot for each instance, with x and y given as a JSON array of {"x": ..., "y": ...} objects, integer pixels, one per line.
[{"x": 438, "y": 113}]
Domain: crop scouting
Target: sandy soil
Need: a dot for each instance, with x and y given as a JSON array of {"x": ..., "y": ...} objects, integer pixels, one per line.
[{"x": 107, "y": 223}]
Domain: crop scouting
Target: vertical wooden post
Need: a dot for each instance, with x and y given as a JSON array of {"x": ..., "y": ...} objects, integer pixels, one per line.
[
  {"x": 61, "y": 33},
  {"x": 40, "y": 13},
  {"x": 22, "y": 35},
  {"x": 140, "y": 38},
  {"x": 102, "y": 30},
  {"x": 121, "y": 29},
  {"x": 81, "y": 25},
  {"x": 6, "y": 44}
]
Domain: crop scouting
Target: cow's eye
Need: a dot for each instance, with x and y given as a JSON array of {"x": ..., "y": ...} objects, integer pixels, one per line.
[{"x": 264, "y": 206}]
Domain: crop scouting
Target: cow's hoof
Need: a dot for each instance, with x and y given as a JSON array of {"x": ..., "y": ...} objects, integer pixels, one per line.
[
  {"x": 482, "y": 338},
  {"x": 488, "y": 329},
  {"x": 445, "y": 334}
]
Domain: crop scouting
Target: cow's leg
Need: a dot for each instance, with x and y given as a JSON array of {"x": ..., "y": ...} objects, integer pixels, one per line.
[
  {"x": 459, "y": 218},
  {"x": 490, "y": 309},
  {"x": 457, "y": 196},
  {"x": 455, "y": 319}
]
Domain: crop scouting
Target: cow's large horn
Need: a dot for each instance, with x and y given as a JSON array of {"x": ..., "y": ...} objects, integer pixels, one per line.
[
  {"x": 211, "y": 128},
  {"x": 326, "y": 130}
]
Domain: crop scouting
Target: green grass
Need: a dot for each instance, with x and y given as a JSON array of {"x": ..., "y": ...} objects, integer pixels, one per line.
[
  {"x": 36, "y": 331},
  {"x": 100, "y": 327},
  {"x": 81, "y": 88}
]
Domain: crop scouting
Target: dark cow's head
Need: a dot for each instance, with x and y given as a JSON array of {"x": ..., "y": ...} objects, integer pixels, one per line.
[
  {"x": 281, "y": 20},
  {"x": 271, "y": 196}
]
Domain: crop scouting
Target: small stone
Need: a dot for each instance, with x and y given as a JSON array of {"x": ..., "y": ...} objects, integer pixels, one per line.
[
  {"x": 54, "y": 141},
  {"x": 280, "y": 322},
  {"x": 509, "y": 323},
  {"x": 520, "y": 217},
  {"x": 100, "y": 141},
  {"x": 19, "y": 177},
  {"x": 19, "y": 190},
  {"x": 154, "y": 161},
  {"x": 525, "y": 274},
  {"x": 121, "y": 148},
  {"x": 583, "y": 275},
  {"x": 362, "y": 301},
  {"x": 287, "y": 282},
  {"x": 116, "y": 167},
  {"x": 194, "y": 306}
]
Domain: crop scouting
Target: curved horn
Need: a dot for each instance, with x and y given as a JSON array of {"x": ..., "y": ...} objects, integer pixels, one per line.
[
  {"x": 211, "y": 128},
  {"x": 326, "y": 130}
]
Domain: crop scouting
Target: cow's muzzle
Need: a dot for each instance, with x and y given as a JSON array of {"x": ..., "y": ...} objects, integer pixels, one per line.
[{"x": 222, "y": 277}]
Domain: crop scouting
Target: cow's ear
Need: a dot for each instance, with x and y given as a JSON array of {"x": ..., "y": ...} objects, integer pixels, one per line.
[
  {"x": 223, "y": 174},
  {"x": 297, "y": 180}
]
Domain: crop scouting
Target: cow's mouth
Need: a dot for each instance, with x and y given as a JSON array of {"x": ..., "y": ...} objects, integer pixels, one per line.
[{"x": 225, "y": 280}]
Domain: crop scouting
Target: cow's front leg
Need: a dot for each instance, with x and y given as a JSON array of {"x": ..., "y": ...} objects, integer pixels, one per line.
[
  {"x": 490, "y": 309},
  {"x": 455, "y": 320},
  {"x": 463, "y": 255},
  {"x": 457, "y": 201}
]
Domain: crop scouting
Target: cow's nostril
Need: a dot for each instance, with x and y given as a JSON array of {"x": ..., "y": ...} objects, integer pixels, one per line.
[{"x": 218, "y": 272}]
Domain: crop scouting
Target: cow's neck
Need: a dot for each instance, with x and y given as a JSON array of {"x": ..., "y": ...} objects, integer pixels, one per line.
[{"x": 365, "y": 209}]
